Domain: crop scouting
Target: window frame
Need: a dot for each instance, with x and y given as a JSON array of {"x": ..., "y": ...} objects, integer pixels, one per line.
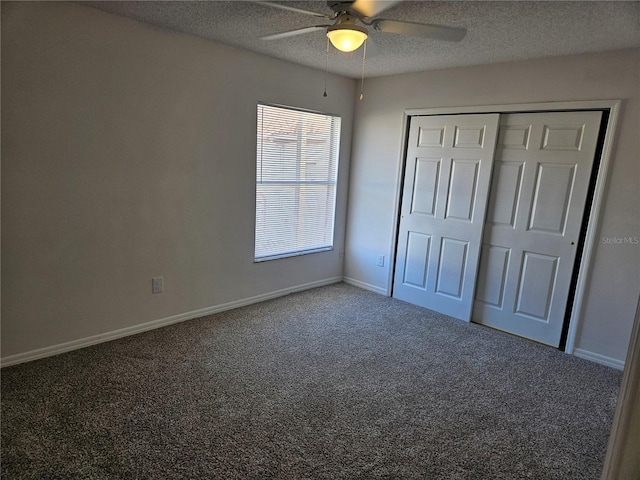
[{"x": 334, "y": 137}]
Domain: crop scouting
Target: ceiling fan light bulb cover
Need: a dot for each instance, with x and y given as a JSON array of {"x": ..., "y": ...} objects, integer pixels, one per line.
[{"x": 347, "y": 39}]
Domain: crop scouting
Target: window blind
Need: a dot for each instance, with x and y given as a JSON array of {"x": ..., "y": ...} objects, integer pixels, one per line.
[{"x": 296, "y": 179}]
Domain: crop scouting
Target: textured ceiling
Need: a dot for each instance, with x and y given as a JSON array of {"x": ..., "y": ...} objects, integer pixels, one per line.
[{"x": 498, "y": 31}]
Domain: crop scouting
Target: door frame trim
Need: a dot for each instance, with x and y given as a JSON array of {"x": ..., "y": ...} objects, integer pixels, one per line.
[{"x": 586, "y": 261}]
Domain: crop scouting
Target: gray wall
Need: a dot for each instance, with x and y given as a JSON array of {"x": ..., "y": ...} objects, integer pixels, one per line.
[
  {"x": 129, "y": 152},
  {"x": 614, "y": 281}
]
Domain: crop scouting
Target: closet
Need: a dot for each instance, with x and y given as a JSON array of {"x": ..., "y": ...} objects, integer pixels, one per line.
[{"x": 491, "y": 216}]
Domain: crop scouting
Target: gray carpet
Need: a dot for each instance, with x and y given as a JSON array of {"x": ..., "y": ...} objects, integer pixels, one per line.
[{"x": 331, "y": 383}]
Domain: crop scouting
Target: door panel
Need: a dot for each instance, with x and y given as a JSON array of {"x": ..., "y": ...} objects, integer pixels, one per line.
[
  {"x": 415, "y": 267},
  {"x": 425, "y": 187},
  {"x": 444, "y": 200},
  {"x": 451, "y": 267},
  {"x": 554, "y": 186},
  {"x": 538, "y": 194},
  {"x": 461, "y": 196},
  {"x": 537, "y": 279},
  {"x": 494, "y": 263},
  {"x": 507, "y": 178}
]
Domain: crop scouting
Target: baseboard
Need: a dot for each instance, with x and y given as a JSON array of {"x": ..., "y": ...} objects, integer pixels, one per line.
[
  {"x": 601, "y": 359},
  {"x": 163, "y": 322},
  {"x": 366, "y": 286}
]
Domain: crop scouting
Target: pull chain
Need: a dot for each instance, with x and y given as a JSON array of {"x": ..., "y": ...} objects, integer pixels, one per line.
[
  {"x": 326, "y": 69},
  {"x": 364, "y": 56}
]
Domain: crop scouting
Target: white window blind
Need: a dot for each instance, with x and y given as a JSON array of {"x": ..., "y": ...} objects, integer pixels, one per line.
[{"x": 296, "y": 178}]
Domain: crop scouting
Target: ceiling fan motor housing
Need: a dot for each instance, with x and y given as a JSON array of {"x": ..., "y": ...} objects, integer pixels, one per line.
[
  {"x": 346, "y": 20},
  {"x": 340, "y": 6}
]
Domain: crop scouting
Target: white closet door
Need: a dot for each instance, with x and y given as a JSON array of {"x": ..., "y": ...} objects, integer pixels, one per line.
[
  {"x": 539, "y": 188},
  {"x": 446, "y": 186}
]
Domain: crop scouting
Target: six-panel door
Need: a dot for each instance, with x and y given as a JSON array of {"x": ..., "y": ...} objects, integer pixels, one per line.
[
  {"x": 539, "y": 189},
  {"x": 446, "y": 186}
]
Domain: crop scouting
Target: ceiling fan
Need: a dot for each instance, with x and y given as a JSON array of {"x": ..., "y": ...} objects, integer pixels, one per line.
[{"x": 352, "y": 20}]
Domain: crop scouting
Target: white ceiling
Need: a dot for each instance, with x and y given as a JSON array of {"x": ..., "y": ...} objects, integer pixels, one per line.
[{"x": 498, "y": 31}]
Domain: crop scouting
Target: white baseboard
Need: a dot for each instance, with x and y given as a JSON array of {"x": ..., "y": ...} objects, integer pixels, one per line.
[
  {"x": 601, "y": 359},
  {"x": 366, "y": 286},
  {"x": 163, "y": 322}
]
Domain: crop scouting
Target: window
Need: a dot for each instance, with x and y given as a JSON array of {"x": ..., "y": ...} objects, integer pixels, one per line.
[{"x": 296, "y": 178}]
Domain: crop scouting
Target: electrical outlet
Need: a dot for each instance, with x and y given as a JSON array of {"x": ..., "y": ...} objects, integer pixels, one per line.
[
  {"x": 341, "y": 254},
  {"x": 380, "y": 260},
  {"x": 157, "y": 285}
]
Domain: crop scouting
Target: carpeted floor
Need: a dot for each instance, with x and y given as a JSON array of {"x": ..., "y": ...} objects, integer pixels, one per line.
[{"x": 331, "y": 383}]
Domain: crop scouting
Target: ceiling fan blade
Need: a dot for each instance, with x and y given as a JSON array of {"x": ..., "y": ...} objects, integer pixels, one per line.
[
  {"x": 292, "y": 9},
  {"x": 423, "y": 30},
  {"x": 371, "y": 8},
  {"x": 292, "y": 33}
]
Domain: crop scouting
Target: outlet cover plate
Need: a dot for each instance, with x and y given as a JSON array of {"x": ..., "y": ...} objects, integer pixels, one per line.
[{"x": 157, "y": 285}]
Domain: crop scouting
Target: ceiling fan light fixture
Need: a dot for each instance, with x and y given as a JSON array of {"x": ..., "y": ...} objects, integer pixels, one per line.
[{"x": 347, "y": 38}]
